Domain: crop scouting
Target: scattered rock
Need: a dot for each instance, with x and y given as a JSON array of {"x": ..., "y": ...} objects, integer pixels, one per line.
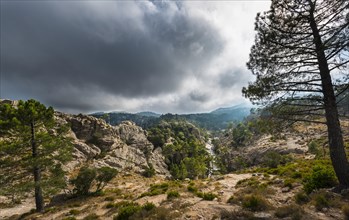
[{"x": 285, "y": 189}]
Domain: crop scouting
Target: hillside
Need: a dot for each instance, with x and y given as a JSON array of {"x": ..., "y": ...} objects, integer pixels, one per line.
[{"x": 267, "y": 187}]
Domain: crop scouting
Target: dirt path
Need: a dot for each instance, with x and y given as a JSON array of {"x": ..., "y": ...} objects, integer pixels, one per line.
[{"x": 22, "y": 208}]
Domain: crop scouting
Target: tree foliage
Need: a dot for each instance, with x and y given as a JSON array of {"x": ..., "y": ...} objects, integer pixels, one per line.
[
  {"x": 183, "y": 147},
  {"x": 32, "y": 143},
  {"x": 300, "y": 60}
]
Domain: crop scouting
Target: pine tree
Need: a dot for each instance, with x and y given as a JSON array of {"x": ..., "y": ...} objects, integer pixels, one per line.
[
  {"x": 300, "y": 60},
  {"x": 32, "y": 150}
]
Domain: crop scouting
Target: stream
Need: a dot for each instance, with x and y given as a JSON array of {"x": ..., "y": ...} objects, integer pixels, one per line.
[{"x": 213, "y": 167}]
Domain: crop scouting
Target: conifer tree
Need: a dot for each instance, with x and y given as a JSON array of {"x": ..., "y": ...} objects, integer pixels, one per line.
[
  {"x": 300, "y": 59},
  {"x": 32, "y": 149}
]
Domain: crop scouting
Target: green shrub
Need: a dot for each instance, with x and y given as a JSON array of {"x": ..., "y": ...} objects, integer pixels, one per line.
[
  {"x": 313, "y": 147},
  {"x": 69, "y": 218},
  {"x": 236, "y": 214},
  {"x": 345, "y": 210},
  {"x": 301, "y": 198},
  {"x": 231, "y": 200},
  {"x": 109, "y": 198},
  {"x": 110, "y": 205},
  {"x": 321, "y": 177},
  {"x": 91, "y": 217},
  {"x": 83, "y": 182},
  {"x": 321, "y": 202},
  {"x": 288, "y": 183},
  {"x": 192, "y": 189},
  {"x": 104, "y": 175},
  {"x": 296, "y": 175},
  {"x": 172, "y": 195},
  {"x": 156, "y": 189},
  {"x": 124, "y": 204},
  {"x": 87, "y": 177},
  {"x": 149, "y": 171},
  {"x": 253, "y": 181},
  {"x": 254, "y": 203},
  {"x": 272, "y": 159},
  {"x": 293, "y": 211},
  {"x": 206, "y": 196},
  {"x": 127, "y": 211},
  {"x": 74, "y": 212},
  {"x": 148, "y": 206}
]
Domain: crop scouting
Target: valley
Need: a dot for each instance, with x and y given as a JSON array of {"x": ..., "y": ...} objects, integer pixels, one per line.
[{"x": 176, "y": 170}]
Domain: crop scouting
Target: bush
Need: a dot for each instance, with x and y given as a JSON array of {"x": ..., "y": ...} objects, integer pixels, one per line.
[
  {"x": 192, "y": 189},
  {"x": 321, "y": 202},
  {"x": 83, "y": 182},
  {"x": 149, "y": 171},
  {"x": 110, "y": 205},
  {"x": 91, "y": 217},
  {"x": 87, "y": 177},
  {"x": 156, "y": 189},
  {"x": 109, "y": 198},
  {"x": 288, "y": 183},
  {"x": 69, "y": 218},
  {"x": 74, "y": 212},
  {"x": 301, "y": 198},
  {"x": 231, "y": 200},
  {"x": 313, "y": 147},
  {"x": 321, "y": 177},
  {"x": 127, "y": 211},
  {"x": 232, "y": 215},
  {"x": 293, "y": 211},
  {"x": 105, "y": 174},
  {"x": 254, "y": 203},
  {"x": 206, "y": 196},
  {"x": 272, "y": 159},
  {"x": 345, "y": 210},
  {"x": 172, "y": 194},
  {"x": 148, "y": 206}
]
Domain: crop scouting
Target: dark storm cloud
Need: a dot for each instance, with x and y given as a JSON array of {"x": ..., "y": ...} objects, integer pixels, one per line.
[{"x": 69, "y": 53}]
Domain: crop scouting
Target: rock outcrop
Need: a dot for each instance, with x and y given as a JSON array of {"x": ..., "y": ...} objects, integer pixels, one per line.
[{"x": 122, "y": 147}]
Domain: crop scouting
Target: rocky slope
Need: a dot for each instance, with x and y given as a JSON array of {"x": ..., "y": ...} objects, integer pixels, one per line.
[{"x": 122, "y": 147}]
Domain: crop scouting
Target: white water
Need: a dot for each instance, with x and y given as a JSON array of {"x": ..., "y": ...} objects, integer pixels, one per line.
[{"x": 209, "y": 148}]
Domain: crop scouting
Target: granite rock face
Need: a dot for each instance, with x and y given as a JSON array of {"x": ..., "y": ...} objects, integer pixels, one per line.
[{"x": 124, "y": 147}]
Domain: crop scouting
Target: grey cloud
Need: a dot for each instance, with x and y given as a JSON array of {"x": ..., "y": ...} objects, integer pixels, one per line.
[
  {"x": 199, "y": 96},
  {"x": 233, "y": 78},
  {"x": 62, "y": 53}
]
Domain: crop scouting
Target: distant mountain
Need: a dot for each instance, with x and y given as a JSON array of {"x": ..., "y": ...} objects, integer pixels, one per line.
[
  {"x": 237, "y": 108},
  {"x": 148, "y": 114},
  {"x": 215, "y": 120}
]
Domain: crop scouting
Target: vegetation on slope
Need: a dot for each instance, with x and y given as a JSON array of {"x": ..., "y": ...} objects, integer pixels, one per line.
[{"x": 183, "y": 146}]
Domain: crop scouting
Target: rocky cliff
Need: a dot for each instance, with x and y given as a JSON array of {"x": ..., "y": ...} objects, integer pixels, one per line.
[{"x": 124, "y": 147}]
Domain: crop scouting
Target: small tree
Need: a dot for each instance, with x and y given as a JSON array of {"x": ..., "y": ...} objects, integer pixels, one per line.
[
  {"x": 104, "y": 175},
  {"x": 88, "y": 178},
  {"x": 83, "y": 182},
  {"x": 32, "y": 143}
]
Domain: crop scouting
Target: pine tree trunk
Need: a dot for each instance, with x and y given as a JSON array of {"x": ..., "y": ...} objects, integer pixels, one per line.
[
  {"x": 335, "y": 137},
  {"x": 39, "y": 201}
]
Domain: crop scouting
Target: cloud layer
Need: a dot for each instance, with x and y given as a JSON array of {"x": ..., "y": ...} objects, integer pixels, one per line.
[{"x": 164, "y": 56}]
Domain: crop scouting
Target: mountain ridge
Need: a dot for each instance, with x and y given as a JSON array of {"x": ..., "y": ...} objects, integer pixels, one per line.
[{"x": 215, "y": 120}]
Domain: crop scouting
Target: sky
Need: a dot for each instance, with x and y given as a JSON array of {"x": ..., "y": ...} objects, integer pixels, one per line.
[{"x": 162, "y": 56}]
